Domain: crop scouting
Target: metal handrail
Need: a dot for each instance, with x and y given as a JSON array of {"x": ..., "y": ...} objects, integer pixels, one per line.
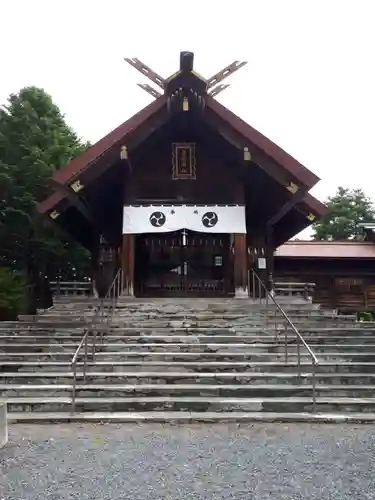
[
  {"x": 114, "y": 291},
  {"x": 300, "y": 339}
]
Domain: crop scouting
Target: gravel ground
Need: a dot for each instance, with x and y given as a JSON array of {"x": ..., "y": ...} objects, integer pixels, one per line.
[{"x": 152, "y": 462}]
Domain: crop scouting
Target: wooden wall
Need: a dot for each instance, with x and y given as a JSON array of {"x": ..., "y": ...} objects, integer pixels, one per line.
[
  {"x": 214, "y": 183},
  {"x": 344, "y": 284}
]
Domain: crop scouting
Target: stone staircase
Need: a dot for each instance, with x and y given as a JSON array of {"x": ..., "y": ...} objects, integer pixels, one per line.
[{"x": 188, "y": 360}]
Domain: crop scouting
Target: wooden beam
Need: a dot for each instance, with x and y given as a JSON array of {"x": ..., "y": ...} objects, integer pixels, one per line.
[
  {"x": 146, "y": 70},
  {"x": 287, "y": 207},
  {"x": 150, "y": 90},
  {"x": 224, "y": 73},
  {"x": 216, "y": 90},
  {"x": 74, "y": 199}
]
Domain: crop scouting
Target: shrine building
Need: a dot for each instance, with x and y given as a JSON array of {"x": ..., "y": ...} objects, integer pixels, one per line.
[{"x": 184, "y": 197}]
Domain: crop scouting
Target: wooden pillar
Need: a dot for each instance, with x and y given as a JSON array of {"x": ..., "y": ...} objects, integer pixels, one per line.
[
  {"x": 257, "y": 262},
  {"x": 127, "y": 263},
  {"x": 240, "y": 266},
  {"x": 95, "y": 267},
  {"x": 270, "y": 258}
]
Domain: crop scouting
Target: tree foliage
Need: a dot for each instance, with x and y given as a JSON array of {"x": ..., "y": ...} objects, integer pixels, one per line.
[
  {"x": 34, "y": 142},
  {"x": 346, "y": 210},
  {"x": 13, "y": 294}
]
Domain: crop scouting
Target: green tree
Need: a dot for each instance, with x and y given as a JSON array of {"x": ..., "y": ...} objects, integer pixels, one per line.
[
  {"x": 13, "y": 294},
  {"x": 34, "y": 142},
  {"x": 346, "y": 210}
]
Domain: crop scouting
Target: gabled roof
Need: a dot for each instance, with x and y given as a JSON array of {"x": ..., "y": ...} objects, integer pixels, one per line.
[
  {"x": 119, "y": 136},
  {"x": 326, "y": 250}
]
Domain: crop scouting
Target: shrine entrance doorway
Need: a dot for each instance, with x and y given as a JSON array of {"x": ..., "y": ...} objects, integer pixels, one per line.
[{"x": 182, "y": 264}]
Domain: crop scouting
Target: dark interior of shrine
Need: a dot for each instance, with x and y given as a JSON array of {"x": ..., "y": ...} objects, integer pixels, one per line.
[{"x": 183, "y": 262}]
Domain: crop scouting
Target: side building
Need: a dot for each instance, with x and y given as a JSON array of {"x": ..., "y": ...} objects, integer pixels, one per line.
[{"x": 343, "y": 271}]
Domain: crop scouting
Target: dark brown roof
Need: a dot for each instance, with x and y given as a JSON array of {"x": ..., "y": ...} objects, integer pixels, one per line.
[
  {"x": 82, "y": 161},
  {"x": 327, "y": 250},
  {"x": 89, "y": 157},
  {"x": 270, "y": 148},
  {"x": 314, "y": 205}
]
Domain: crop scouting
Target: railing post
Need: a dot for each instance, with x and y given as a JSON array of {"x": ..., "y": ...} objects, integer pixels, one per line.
[
  {"x": 85, "y": 359},
  {"x": 314, "y": 384},
  {"x": 274, "y": 322},
  {"x": 74, "y": 367},
  {"x": 299, "y": 357},
  {"x": 93, "y": 334},
  {"x": 286, "y": 342}
]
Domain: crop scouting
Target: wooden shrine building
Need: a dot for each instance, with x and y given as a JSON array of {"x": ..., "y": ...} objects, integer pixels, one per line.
[{"x": 184, "y": 196}]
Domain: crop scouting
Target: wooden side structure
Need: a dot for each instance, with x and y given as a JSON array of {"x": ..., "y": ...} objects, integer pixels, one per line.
[
  {"x": 343, "y": 272},
  {"x": 224, "y": 161}
]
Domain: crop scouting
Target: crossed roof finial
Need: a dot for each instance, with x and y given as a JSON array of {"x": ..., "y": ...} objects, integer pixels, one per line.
[{"x": 214, "y": 85}]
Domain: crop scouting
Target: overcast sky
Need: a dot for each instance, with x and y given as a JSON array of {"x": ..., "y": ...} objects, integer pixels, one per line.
[{"x": 309, "y": 84}]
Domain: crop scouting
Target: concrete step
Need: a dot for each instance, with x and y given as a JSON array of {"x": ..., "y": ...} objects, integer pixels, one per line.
[
  {"x": 202, "y": 387},
  {"x": 249, "y": 352},
  {"x": 323, "y": 366},
  {"x": 189, "y": 417},
  {"x": 191, "y": 403},
  {"x": 229, "y": 317},
  {"x": 177, "y": 346},
  {"x": 113, "y": 377},
  {"x": 70, "y": 341},
  {"x": 124, "y": 355},
  {"x": 166, "y": 330},
  {"x": 331, "y": 343},
  {"x": 134, "y": 323}
]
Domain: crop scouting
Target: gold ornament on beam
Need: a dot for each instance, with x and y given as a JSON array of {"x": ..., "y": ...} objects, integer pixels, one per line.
[
  {"x": 311, "y": 217},
  {"x": 124, "y": 153},
  {"x": 292, "y": 188},
  {"x": 54, "y": 215},
  {"x": 185, "y": 104},
  {"x": 246, "y": 154},
  {"x": 77, "y": 186}
]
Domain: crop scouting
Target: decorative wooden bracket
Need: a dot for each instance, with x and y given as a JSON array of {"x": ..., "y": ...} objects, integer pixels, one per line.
[
  {"x": 74, "y": 198},
  {"x": 287, "y": 207},
  {"x": 54, "y": 214}
]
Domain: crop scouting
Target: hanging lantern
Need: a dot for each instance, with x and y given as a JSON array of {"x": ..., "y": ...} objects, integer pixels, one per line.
[
  {"x": 124, "y": 153},
  {"x": 246, "y": 154},
  {"x": 185, "y": 104}
]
